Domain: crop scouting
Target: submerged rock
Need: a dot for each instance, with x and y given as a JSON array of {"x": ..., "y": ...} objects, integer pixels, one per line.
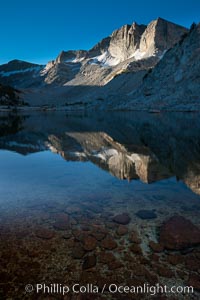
[
  {"x": 89, "y": 262},
  {"x": 62, "y": 222},
  {"x": 164, "y": 271},
  {"x": 99, "y": 232},
  {"x": 44, "y": 233},
  {"x": 134, "y": 237},
  {"x": 194, "y": 281},
  {"x": 123, "y": 219},
  {"x": 179, "y": 233},
  {"x": 67, "y": 235},
  {"x": 115, "y": 264},
  {"x": 122, "y": 230},
  {"x": 175, "y": 259},
  {"x": 135, "y": 248},
  {"x": 156, "y": 247},
  {"x": 109, "y": 243},
  {"x": 106, "y": 257},
  {"x": 192, "y": 263},
  {"x": 78, "y": 252},
  {"x": 89, "y": 243}
]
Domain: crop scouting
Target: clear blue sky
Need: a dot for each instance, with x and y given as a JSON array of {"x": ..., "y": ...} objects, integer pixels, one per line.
[{"x": 37, "y": 30}]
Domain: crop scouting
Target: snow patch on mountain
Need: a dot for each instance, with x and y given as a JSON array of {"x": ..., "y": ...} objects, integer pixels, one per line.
[
  {"x": 105, "y": 59},
  {"x": 105, "y": 154},
  {"x": 138, "y": 54},
  {"x": 75, "y": 60},
  {"x": 32, "y": 69}
]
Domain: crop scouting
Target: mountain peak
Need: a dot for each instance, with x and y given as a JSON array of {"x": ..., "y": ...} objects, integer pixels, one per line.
[
  {"x": 70, "y": 55},
  {"x": 118, "y": 51},
  {"x": 160, "y": 35},
  {"x": 16, "y": 64},
  {"x": 160, "y": 21}
]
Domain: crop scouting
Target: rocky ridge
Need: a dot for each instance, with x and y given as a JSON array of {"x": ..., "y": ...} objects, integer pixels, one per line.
[
  {"x": 127, "y": 44},
  {"x": 174, "y": 82},
  {"x": 84, "y": 76}
]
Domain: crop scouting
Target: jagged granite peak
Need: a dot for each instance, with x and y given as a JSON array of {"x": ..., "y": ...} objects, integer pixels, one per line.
[
  {"x": 130, "y": 41},
  {"x": 137, "y": 42},
  {"x": 160, "y": 35},
  {"x": 71, "y": 55},
  {"x": 174, "y": 82},
  {"x": 125, "y": 41},
  {"x": 78, "y": 74},
  {"x": 100, "y": 47},
  {"x": 64, "y": 67}
]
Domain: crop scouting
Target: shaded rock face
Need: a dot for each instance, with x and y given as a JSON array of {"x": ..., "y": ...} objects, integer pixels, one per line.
[
  {"x": 20, "y": 74},
  {"x": 179, "y": 233},
  {"x": 16, "y": 65},
  {"x": 174, "y": 82}
]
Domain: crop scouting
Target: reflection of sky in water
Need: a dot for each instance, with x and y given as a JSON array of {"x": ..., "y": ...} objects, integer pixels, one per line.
[
  {"x": 45, "y": 177},
  {"x": 45, "y": 174}
]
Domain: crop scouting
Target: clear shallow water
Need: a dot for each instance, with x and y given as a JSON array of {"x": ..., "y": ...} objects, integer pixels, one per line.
[
  {"x": 85, "y": 170},
  {"x": 44, "y": 178}
]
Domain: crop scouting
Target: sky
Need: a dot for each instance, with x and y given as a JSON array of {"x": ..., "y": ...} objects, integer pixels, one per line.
[{"x": 38, "y": 30}]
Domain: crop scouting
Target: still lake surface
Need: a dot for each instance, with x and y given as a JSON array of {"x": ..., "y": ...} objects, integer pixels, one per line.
[{"x": 64, "y": 179}]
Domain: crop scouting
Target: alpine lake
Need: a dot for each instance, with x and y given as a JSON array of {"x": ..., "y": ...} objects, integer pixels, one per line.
[{"x": 99, "y": 199}]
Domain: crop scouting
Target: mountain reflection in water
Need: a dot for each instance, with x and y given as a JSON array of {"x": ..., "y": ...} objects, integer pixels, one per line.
[{"x": 144, "y": 146}]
